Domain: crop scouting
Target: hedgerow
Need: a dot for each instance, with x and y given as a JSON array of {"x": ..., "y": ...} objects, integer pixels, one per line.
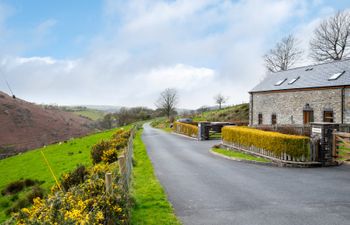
[
  {"x": 107, "y": 151},
  {"x": 186, "y": 129},
  {"x": 295, "y": 146}
]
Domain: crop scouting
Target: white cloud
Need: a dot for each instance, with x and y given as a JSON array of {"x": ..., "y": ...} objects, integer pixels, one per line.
[{"x": 199, "y": 47}]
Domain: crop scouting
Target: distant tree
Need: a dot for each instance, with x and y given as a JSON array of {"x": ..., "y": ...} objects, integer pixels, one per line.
[
  {"x": 167, "y": 101},
  {"x": 202, "y": 109},
  {"x": 107, "y": 121},
  {"x": 284, "y": 55},
  {"x": 331, "y": 38},
  {"x": 220, "y": 99}
]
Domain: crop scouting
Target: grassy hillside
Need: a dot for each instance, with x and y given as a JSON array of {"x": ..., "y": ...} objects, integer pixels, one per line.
[
  {"x": 237, "y": 113},
  {"x": 62, "y": 157},
  {"x": 92, "y": 114}
]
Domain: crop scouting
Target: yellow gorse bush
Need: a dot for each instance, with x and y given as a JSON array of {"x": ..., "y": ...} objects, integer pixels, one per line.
[
  {"x": 186, "y": 129},
  {"x": 83, "y": 199},
  {"x": 86, "y": 203},
  {"x": 277, "y": 143}
]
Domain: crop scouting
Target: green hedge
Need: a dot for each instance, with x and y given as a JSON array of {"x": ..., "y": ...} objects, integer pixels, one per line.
[
  {"x": 277, "y": 143},
  {"x": 186, "y": 129}
]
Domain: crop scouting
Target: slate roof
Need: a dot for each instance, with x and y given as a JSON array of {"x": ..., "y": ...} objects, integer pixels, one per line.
[{"x": 317, "y": 77}]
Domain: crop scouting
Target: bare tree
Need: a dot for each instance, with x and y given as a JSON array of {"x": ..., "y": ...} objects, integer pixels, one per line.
[
  {"x": 220, "y": 99},
  {"x": 331, "y": 38},
  {"x": 167, "y": 101},
  {"x": 284, "y": 55}
]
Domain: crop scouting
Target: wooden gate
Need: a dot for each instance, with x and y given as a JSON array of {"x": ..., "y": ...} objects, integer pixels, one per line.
[{"x": 341, "y": 146}]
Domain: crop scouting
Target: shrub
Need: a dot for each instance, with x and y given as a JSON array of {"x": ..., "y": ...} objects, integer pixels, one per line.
[
  {"x": 186, "y": 129},
  {"x": 73, "y": 178},
  {"x": 37, "y": 192},
  {"x": 18, "y": 186},
  {"x": 110, "y": 155},
  {"x": 18, "y": 205},
  {"x": 121, "y": 134},
  {"x": 87, "y": 203},
  {"x": 13, "y": 187},
  {"x": 98, "y": 149},
  {"x": 295, "y": 146}
]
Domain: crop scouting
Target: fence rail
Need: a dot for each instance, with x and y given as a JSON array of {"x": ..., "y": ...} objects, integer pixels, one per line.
[{"x": 268, "y": 154}]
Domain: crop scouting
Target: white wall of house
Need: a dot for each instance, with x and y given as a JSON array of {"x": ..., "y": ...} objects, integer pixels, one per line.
[{"x": 289, "y": 105}]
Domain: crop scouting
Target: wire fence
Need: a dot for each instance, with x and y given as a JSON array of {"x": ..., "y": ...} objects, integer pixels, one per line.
[{"x": 125, "y": 161}]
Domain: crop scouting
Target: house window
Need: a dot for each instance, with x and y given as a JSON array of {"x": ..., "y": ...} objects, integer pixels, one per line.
[
  {"x": 308, "y": 116},
  {"x": 273, "y": 119},
  {"x": 328, "y": 116},
  {"x": 260, "y": 118}
]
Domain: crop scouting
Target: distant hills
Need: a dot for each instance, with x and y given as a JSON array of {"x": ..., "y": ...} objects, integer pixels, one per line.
[{"x": 25, "y": 125}]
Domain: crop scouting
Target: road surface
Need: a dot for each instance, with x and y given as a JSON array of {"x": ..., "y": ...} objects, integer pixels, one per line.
[{"x": 207, "y": 189}]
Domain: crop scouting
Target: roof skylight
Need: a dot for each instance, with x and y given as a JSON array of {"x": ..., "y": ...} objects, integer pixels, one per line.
[
  {"x": 280, "y": 82},
  {"x": 293, "y": 80},
  {"x": 309, "y": 69},
  {"x": 336, "y": 75}
]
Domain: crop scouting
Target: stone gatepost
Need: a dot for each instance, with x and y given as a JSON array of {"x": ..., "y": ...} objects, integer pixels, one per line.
[
  {"x": 203, "y": 131},
  {"x": 322, "y": 134}
]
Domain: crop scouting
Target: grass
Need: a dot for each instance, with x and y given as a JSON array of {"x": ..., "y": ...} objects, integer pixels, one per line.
[
  {"x": 233, "y": 113},
  {"x": 239, "y": 155},
  {"x": 151, "y": 204},
  {"x": 91, "y": 113},
  {"x": 343, "y": 153},
  {"x": 62, "y": 158},
  {"x": 162, "y": 123}
]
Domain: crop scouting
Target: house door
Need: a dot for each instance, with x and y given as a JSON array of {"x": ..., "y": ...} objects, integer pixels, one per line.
[{"x": 308, "y": 117}]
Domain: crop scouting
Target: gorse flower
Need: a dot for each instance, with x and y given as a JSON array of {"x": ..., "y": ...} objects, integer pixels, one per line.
[{"x": 84, "y": 199}]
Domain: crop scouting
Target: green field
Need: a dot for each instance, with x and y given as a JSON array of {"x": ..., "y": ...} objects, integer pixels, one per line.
[
  {"x": 62, "y": 158},
  {"x": 91, "y": 113},
  {"x": 151, "y": 204}
]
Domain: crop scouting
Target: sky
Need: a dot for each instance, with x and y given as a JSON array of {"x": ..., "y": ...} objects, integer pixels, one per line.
[{"x": 125, "y": 53}]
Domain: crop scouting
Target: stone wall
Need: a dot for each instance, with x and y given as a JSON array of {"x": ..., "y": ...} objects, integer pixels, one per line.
[
  {"x": 347, "y": 106},
  {"x": 289, "y": 105}
]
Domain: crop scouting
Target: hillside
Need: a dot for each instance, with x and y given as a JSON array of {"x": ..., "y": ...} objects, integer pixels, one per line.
[
  {"x": 26, "y": 126},
  {"x": 238, "y": 113}
]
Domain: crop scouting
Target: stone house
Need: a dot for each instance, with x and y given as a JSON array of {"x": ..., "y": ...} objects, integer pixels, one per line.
[{"x": 317, "y": 93}]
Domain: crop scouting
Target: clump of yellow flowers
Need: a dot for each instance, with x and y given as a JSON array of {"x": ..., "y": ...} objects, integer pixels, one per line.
[{"x": 83, "y": 201}]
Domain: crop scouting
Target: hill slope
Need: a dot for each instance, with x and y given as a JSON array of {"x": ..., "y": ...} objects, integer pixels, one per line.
[
  {"x": 238, "y": 113},
  {"x": 27, "y": 126}
]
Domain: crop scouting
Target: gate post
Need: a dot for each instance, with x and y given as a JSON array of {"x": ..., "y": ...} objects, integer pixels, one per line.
[
  {"x": 202, "y": 131},
  {"x": 323, "y": 132}
]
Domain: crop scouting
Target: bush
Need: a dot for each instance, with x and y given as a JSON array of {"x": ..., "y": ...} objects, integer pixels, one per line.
[
  {"x": 18, "y": 186},
  {"x": 73, "y": 178},
  {"x": 37, "y": 192},
  {"x": 87, "y": 203},
  {"x": 295, "y": 146},
  {"x": 186, "y": 129},
  {"x": 107, "y": 151},
  {"x": 98, "y": 149},
  {"x": 110, "y": 155}
]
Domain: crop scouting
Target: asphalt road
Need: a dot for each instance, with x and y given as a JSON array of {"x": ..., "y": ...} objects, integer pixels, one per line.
[{"x": 207, "y": 189}]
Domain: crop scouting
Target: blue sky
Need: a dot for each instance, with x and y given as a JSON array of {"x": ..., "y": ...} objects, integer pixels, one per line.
[{"x": 126, "y": 52}]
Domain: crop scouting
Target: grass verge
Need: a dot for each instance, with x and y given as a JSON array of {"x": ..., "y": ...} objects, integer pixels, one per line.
[
  {"x": 239, "y": 155},
  {"x": 62, "y": 158},
  {"x": 161, "y": 123},
  {"x": 151, "y": 204}
]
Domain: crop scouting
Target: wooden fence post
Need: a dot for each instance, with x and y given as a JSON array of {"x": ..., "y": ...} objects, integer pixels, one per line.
[
  {"x": 108, "y": 183},
  {"x": 334, "y": 150}
]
